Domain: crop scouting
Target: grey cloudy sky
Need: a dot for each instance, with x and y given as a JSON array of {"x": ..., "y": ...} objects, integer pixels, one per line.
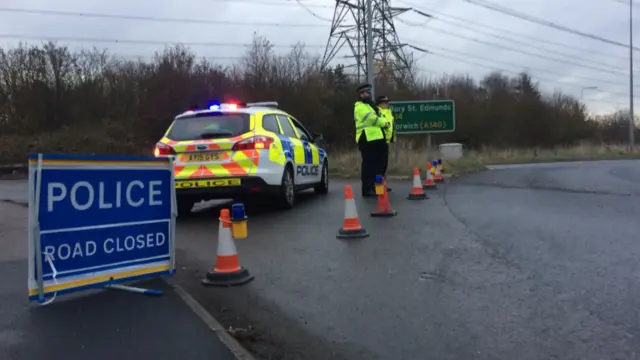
[{"x": 445, "y": 35}]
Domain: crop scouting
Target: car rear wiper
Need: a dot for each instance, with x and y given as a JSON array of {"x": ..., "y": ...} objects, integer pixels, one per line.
[{"x": 217, "y": 134}]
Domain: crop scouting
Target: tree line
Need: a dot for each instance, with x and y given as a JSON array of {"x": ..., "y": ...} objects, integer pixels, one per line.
[{"x": 53, "y": 99}]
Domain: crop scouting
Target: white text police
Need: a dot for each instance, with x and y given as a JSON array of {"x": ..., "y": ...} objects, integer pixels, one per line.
[
  {"x": 308, "y": 170},
  {"x": 66, "y": 251},
  {"x": 83, "y": 195}
]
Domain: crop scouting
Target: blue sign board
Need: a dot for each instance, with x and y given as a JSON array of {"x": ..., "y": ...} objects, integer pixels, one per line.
[{"x": 96, "y": 221}]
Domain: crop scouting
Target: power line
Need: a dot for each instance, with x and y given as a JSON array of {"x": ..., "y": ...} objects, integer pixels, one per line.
[
  {"x": 450, "y": 57},
  {"x": 522, "y": 16},
  {"x": 534, "y": 46},
  {"x": 511, "y": 64},
  {"x": 465, "y": 22},
  {"x": 190, "y": 20},
  {"x": 274, "y": 3},
  {"x": 151, "y": 18},
  {"x": 306, "y": 8},
  {"x": 185, "y": 20},
  {"x": 520, "y": 65},
  {"x": 562, "y": 61},
  {"x": 142, "y": 42}
]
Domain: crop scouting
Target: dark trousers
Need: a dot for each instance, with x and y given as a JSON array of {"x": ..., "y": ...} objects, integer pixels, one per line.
[{"x": 373, "y": 161}]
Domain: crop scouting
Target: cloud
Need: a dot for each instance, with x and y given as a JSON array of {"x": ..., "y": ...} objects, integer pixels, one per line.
[{"x": 605, "y": 18}]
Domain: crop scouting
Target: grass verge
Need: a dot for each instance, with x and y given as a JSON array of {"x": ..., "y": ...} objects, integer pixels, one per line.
[{"x": 402, "y": 160}]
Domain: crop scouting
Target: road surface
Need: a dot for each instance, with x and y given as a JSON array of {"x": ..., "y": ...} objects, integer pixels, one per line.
[
  {"x": 534, "y": 262},
  {"x": 98, "y": 325}
]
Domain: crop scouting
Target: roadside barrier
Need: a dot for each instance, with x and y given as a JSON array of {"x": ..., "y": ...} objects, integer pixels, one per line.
[
  {"x": 383, "y": 207},
  {"x": 417, "y": 193},
  {"x": 227, "y": 270},
  {"x": 351, "y": 228},
  {"x": 429, "y": 182},
  {"x": 437, "y": 176}
]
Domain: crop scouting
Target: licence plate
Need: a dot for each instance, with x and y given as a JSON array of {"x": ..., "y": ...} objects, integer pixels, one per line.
[
  {"x": 204, "y": 157},
  {"x": 199, "y": 184}
]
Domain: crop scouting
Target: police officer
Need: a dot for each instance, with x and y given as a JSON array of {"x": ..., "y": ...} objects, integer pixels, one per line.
[
  {"x": 389, "y": 133},
  {"x": 370, "y": 137}
]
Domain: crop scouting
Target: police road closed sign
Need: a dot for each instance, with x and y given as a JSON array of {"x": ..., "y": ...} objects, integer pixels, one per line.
[
  {"x": 424, "y": 117},
  {"x": 97, "y": 221}
]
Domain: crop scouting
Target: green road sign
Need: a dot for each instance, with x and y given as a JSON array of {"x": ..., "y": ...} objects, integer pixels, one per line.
[{"x": 424, "y": 117}]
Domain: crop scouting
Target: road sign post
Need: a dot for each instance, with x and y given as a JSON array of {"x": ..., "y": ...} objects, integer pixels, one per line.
[
  {"x": 424, "y": 117},
  {"x": 98, "y": 221}
]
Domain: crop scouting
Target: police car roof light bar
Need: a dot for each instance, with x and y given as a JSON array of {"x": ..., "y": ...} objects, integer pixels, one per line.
[{"x": 272, "y": 104}]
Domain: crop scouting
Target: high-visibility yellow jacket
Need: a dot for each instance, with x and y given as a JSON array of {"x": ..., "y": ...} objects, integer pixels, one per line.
[
  {"x": 390, "y": 132},
  {"x": 368, "y": 122}
]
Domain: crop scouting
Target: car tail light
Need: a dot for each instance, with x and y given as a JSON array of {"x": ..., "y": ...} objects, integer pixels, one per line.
[
  {"x": 163, "y": 150},
  {"x": 254, "y": 143}
]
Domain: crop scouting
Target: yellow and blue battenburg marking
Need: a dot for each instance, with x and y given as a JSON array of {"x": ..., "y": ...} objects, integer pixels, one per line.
[{"x": 303, "y": 152}]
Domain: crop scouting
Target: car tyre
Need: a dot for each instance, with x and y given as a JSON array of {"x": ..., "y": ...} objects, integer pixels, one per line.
[
  {"x": 323, "y": 186},
  {"x": 286, "y": 197}
]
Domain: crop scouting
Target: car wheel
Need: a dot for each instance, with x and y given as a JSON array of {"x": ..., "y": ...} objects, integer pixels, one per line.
[
  {"x": 184, "y": 207},
  {"x": 323, "y": 186},
  {"x": 287, "y": 193}
]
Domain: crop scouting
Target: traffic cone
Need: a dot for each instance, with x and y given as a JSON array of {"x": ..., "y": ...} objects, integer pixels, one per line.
[
  {"x": 351, "y": 228},
  {"x": 429, "y": 183},
  {"x": 227, "y": 270},
  {"x": 383, "y": 208},
  {"x": 437, "y": 176},
  {"x": 440, "y": 166},
  {"x": 417, "y": 193},
  {"x": 434, "y": 164}
]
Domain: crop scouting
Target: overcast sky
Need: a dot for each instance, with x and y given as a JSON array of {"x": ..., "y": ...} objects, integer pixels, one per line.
[{"x": 446, "y": 35}]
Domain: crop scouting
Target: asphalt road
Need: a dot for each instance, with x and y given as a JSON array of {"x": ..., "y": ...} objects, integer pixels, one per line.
[
  {"x": 533, "y": 262},
  {"x": 98, "y": 325}
]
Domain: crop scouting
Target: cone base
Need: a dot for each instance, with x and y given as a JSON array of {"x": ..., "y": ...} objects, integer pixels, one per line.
[
  {"x": 391, "y": 213},
  {"x": 236, "y": 278},
  {"x": 417, "y": 197},
  {"x": 430, "y": 187},
  {"x": 352, "y": 234}
]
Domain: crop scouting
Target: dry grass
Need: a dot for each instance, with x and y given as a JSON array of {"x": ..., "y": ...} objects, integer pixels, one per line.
[{"x": 403, "y": 160}]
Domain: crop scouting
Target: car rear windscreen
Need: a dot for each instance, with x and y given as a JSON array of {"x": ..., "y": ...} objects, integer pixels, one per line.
[{"x": 209, "y": 126}]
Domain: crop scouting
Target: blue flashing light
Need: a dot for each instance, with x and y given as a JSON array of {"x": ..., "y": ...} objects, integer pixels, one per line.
[
  {"x": 435, "y": 163},
  {"x": 439, "y": 161},
  {"x": 214, "y": 107},
  {"x": 378, "y": 179},
  {"x": 237, "y": 212}
]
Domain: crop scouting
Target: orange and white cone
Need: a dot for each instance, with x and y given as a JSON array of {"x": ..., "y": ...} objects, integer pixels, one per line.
[
  {"x": 429, "y": 182},
  {"x": 383, "y": 208},
  {"x": 227, "y": 270},
  {"x": 437, "y": 176},
  {"x": 417, "y": 193},
  {"x": 351, "y": 228}
]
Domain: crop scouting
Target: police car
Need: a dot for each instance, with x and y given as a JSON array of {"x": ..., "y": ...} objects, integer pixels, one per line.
[{"x": 242, "y": 151}]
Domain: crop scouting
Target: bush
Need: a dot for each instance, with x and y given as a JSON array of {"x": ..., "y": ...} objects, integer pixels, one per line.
[{"x": 54, "y": 100}]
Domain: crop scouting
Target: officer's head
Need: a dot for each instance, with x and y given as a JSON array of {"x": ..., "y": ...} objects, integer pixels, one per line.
[
  {"x": 364, "y": 92},
  {"x": 382, "y": 101}
]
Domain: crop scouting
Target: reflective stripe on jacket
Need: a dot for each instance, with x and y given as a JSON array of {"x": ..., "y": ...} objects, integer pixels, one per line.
[
  {"x": 368, "y": 122},
  {"x": 389, "y": 133}
]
